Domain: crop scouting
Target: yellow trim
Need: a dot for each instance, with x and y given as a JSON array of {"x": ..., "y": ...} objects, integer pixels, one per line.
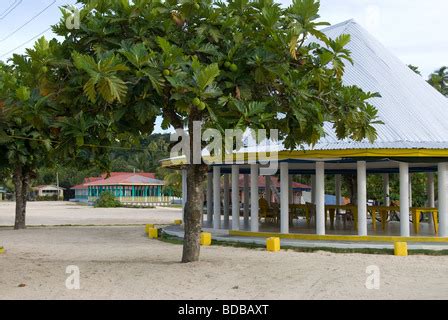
[
  {"x": 362, "y": 153},
  {"x": 335, "y": 154},
  {"x": 313, "y": 237},
  {"x": 2, "y": 250}
]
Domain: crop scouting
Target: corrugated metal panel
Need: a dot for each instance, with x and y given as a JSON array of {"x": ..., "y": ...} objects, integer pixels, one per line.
[{"x": 414, "y": 114}]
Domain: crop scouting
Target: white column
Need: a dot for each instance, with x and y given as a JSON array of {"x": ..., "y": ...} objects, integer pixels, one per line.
[
  {"x": 404, "y": 200},
  {"x": 313, "y": 189},
  {"x": 284, "y": 197},
  {"x": 362, "y": 198},
  {"x": 430, "y": 190},
  {"x": 226, "y": 201},
  {"x": 443, "y": 201},
  {"x": 254, "y": 197},
  {"x": 268, "y": 189},
  {"x": 430, "y": 195},
  {"x": 320, "y": 197},
  {"x": 216, "y": 197},
  {"x": 246, "y": 200},
  {"x": 386, "y": 189},
  {"x": 290, "y": 189},
  {"x": 410, "y": 190},
  {"x": 338, "y": 187},
  {"x": 184, "y": 191},
  {"x": 235, "y": 198},
  {"x": 210, "y": 199}
]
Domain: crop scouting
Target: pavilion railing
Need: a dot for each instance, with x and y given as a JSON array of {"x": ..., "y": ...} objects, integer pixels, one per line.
[{"x": 145, "y": 201}]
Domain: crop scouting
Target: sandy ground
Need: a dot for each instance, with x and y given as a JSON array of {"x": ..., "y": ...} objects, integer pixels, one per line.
[
  {"x": 66, "y": 213},
  {"x": 121, "y": 263}
]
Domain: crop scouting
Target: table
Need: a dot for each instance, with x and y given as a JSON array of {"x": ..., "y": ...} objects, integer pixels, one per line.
[
  {"x": 416, "y": 214},
  {"x": 330, "y": 210},
  {"x": 383, "y": 212},
  {"x": 306, "y": 207}
]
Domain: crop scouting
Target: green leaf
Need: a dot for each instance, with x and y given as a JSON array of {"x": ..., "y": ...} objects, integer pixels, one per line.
[
  {"x": 206, "y": 76},
  {"x": 342, "y": 41},
  {"x": 112, "y": 88},
  {"x": 23, "y": 93},
  {"x": 326, "y": 58},
  {"x": 89, "y": 89}
]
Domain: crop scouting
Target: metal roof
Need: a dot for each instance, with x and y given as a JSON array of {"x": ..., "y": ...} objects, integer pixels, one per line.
[
  {"x": 414, "y": 113},
  {"x": 120, "y": 178},
  {"x": 135, "y": 179}
]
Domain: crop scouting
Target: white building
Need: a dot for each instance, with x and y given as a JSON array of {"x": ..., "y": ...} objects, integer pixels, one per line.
[{"x": 48, "y": 191}]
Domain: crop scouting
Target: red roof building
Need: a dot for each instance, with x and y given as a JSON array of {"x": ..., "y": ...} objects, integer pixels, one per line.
[{"x": 121, "y": 184}]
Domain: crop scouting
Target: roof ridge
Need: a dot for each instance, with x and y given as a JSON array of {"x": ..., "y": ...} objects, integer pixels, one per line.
[{"x": 337, "y": 25}]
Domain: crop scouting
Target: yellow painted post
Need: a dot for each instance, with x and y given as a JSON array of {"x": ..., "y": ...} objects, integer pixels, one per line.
[
  {"x": 206, "y": 239},
  {"x": 273, "y": 244},
  {"x": 153, "y": 233},
  {"x": 401, "y": 249},
  {"x": 2, "y": 250},
  {"x": 147, "y": 227},
  {"x": 178, "y": 222}
]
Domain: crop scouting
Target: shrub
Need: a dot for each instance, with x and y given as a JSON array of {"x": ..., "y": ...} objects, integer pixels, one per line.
[
  {"x": 107, "y": 200},
  {"x": 48, "y": 198}
]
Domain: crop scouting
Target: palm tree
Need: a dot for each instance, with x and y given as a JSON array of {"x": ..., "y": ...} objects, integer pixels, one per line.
[
  {"x": 415, "y": 69},
  {"x": 439, "y": 80}
]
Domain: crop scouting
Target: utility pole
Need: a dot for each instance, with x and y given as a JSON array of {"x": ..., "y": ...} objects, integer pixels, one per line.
[{"x": 57, "y": 184}]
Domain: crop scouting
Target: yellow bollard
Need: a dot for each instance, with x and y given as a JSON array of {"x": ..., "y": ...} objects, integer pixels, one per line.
[
  {"x": 178, "y": 222},
  {"x": 148, "y": 226},
  {"x": 153, "y": 233},
  {"x": 2, "y": 250},
  {"x": 401, "y": 249},
  {"x": 273, "y": 244},
  {"x": 206, "y": 239}
]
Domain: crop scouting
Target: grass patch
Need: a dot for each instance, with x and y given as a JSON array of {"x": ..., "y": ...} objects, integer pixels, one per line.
[
  {"x": 137, "y": 207},
  {"x": 256, "y": 246},
  {"x": 176, "y": 206}
]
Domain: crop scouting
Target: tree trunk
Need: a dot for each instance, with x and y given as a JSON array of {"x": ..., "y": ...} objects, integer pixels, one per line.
[
  {"x": 196, "y": 175},
  {"x": 21, "y": 183}
]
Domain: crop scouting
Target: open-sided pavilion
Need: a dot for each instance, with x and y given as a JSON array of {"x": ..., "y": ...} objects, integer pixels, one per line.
[{"x": 413, "y": 138}]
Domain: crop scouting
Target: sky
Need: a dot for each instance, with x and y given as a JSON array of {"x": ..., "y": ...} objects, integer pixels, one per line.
[{"x": 414, "y": 30}]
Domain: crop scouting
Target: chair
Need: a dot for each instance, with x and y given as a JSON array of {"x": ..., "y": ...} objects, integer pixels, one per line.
[
  {"x": 267, "y": 213},
  {"x": 310, "y": 212}
]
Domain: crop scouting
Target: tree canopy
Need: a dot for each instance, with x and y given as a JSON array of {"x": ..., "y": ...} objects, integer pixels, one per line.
[
  {"x": 235, "y": 64},
  {"x": 25, "y": 115},
  {"x": 231, "y": 65}
]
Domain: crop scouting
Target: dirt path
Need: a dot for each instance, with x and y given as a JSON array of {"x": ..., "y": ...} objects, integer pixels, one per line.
[{"x": 121, "y": 263}]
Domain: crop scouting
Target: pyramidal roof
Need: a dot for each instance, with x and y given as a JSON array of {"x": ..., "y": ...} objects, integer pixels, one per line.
[{"x": 415, "y": 115}]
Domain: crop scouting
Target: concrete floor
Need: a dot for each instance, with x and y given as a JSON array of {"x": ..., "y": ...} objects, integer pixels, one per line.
[
  {"x": 223, "y": 235},
  {"x": 340, "y": 228}
]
